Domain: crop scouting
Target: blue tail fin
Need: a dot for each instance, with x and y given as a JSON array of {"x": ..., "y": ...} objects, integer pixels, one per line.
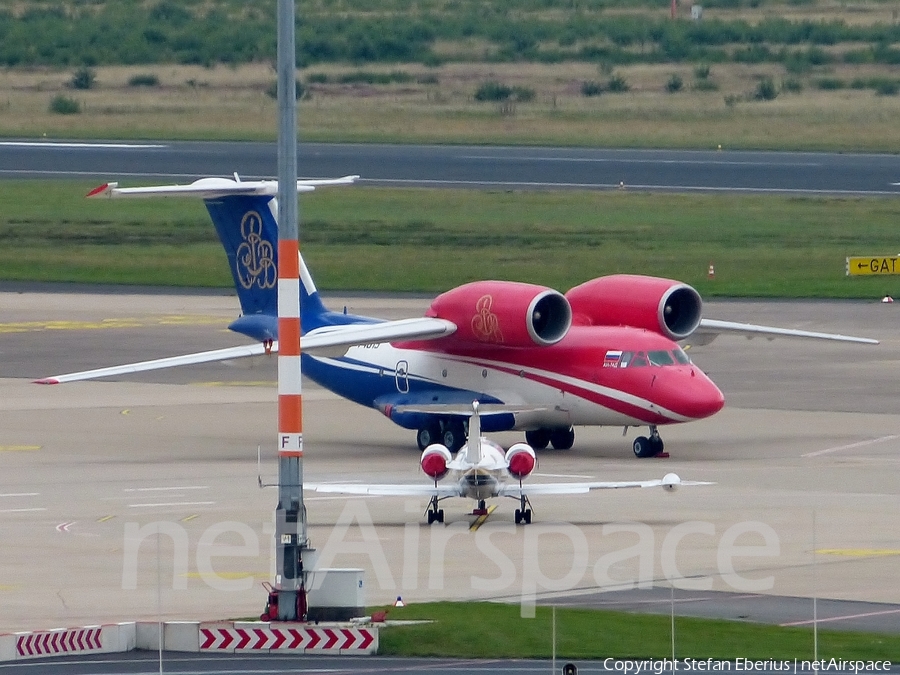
[
  {"x": 247, "y": 226},
  {"x": 248, "y": 230}
]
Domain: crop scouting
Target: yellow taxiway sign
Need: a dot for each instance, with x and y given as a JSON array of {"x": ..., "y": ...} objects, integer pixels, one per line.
[{"x": 872, "y": 265}]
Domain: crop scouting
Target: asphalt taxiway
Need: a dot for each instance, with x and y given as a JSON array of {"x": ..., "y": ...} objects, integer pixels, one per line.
[{"x": 804, "y": 457}]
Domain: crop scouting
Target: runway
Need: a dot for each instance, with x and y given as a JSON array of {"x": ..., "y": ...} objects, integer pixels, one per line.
[
  {"x": 487, "y": 167},
  {"x": 805, "y": 460}
]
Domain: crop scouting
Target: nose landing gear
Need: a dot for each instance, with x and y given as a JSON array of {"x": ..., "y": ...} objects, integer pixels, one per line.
[{"x": 649, "y": 447}]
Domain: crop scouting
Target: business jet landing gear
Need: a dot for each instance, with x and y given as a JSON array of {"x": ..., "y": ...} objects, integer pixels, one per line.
[
  {"x": 649, "y": 447},
  {"x": 523, "y": 513},
  {"x": 435, "y": 515},
  {"x": 560, "y": 439}
]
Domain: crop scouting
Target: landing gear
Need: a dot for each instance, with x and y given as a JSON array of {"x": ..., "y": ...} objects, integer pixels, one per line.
[
  {"x": 428, "y": 435},
  {"x": 648, "y": 447},
  {"x": 562, "y": 439},
  {"x": 454, "y": 435},
  {"x": 523, "y": 513},
  {"x": 481, "y": 510},
  {"x": 538, "y": 438},
  {"x": 435, "y": 515}
]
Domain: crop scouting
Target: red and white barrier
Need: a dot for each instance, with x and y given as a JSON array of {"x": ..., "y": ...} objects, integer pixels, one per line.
[
  {"x": 191, "y": 636},
  {"x": 259, "y": 637},
  {"x": 86, "y": 640}
]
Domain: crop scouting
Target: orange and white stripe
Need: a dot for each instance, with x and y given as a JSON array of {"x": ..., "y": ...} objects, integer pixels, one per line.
[{"x": 290, "y": 402}]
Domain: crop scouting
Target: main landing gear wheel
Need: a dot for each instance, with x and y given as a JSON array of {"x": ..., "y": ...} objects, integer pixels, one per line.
[
  {"x": 523, "y": 513},
  {"x": 435, "y": 515},
  {"x": 648, "y": 447},
  {"x": 538, "y": 438},
  {"x": 454, "y": 435},
  {"x": 562, "y": 439},
  {"x": 428, "y": 435}
]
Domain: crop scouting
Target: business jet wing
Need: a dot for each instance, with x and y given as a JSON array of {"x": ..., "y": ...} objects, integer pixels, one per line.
[
  {"x": 399, "y": 490},
  {"x": 710, "y": 328},
  {"x": 668, "y": 482},
  {"x": 321, "y": 340}
]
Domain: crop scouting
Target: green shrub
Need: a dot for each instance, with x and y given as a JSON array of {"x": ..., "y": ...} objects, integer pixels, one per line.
[
  {"x": 63, "y": 105},
  {"x": 591, "y": 88},
  {"x": 83, "y": 78},
  {"x": 617, "y": 84},
  {"x": 830, "y": 83},
  {"x": 887, "y": 88},
  {"x": 317, "y": 78},
  {"x": 766, "y": 90},
  {"x": 144, "y": 80},
  {"x": 492, "y": 91},
  {"x": 674, "y": 83}
]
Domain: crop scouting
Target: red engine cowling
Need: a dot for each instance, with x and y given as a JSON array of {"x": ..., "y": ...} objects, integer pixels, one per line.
[
  {"x": 435, "y": 459},
  {"x": 664, "y": 306},
  {"x": 505, "y": 313},
  {"x": 520, "y": 460}
]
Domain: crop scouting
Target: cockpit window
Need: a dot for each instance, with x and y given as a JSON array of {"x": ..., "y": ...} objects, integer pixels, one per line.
[
  {"x": 661, "y": 358},
  {"x": 680, "y": 356},
  {"x": 639, "y": 361}
]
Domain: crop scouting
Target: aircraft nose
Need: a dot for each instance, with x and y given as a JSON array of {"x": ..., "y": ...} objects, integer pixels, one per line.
[
  {"x": 701, "y": 395},
  {"x": 693, "y": 395}
]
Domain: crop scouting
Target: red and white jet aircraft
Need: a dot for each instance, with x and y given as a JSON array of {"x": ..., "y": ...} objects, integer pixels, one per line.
[
  {"x": 482, "y": 470},
  {"x": 604, "y": 353}
]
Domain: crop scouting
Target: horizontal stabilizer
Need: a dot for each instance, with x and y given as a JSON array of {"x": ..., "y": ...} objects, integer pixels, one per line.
[{"x": 215, "y": 187}]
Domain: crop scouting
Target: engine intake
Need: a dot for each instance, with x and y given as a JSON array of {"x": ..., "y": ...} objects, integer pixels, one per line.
[
  {"x": 505, "y": 313},
  {"x": 435, "y": 459},
  {"x": 520, "y": 460},
  {"x": 664, "y": 306}
]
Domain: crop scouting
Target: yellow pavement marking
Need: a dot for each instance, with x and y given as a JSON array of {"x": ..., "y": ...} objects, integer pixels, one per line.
[
  {"x": 102, "y": 324},
  {"x": 190, "y": 518},
  {"x": 19, "y": 448},
  {"x": 104, "y": 519},
  {"x": 8, "y": 588},
  {"x": 479, "y": 521},
  {"x": 858, "y": 552}
]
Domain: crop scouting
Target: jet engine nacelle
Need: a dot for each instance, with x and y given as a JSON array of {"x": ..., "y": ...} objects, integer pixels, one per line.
[
  {"x": 664, "y": 306},
  {"x": 520, "y": 460},
  {"x": 435, "y": 459},
  {"x": 505, "y": 313}
]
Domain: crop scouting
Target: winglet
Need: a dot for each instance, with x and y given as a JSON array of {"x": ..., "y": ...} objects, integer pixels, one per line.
[
  {"x": 105, "y": 190},
  {"x": 47, "y": 380}
]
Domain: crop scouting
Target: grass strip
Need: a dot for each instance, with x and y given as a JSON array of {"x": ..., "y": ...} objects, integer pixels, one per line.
[
  {"x": 493, "y": 630},
  {"x": 427, "y": 240}
]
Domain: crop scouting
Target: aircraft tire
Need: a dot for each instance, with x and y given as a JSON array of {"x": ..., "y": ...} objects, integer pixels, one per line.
[
  {"x": 537, "y": 438},
  {"x": 454, "y": 436},
  {"x": 427, "y": 435},
  {"x": 518, "y": 516},
  {"x": 644, "y": 448},
  {"x": 562, "y": 439},
  {"x": 526, "y": 516}
]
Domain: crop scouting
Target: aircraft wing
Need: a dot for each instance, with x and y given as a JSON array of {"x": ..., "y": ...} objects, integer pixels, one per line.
[
  {"x": 710, "y": 328},
  {"x": 321, "y": 340},
  {"x": 400, "y": 490},
  {"x": 669, "y": 482},
  {"x": 215, "y": 187}
]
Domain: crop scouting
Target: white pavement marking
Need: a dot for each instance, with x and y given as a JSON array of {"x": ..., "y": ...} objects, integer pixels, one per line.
[
  {"x": 155, "y": 489},
  {"x": 852, "y": 446},
  {"x": 64, "y": 144},
  {"x": 20, "y": 494},
  {"x": 137, "y": 506},
  {"x": 841, "y": 618},
  {"x": 21, "y": 510}
]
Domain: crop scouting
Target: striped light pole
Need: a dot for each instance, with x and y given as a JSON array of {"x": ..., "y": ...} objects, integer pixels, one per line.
[{"x": 290, "y": 515}]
